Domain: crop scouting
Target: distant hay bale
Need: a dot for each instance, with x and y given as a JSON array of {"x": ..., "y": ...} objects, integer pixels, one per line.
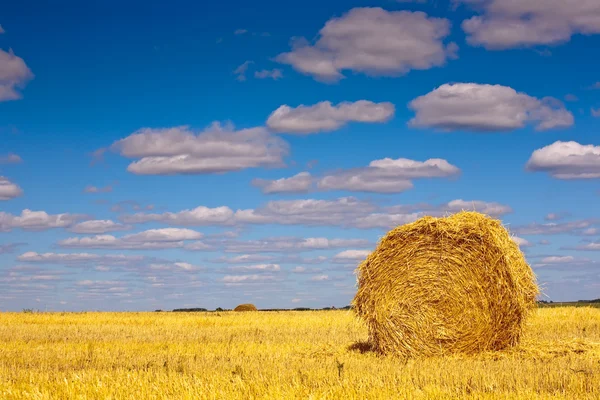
[
  {"x": 458, "y": 284},
  {"x": 246, "y": 307}
]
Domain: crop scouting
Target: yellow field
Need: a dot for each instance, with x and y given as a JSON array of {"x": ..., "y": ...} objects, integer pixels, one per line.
[{"x": 284, "y": 355}]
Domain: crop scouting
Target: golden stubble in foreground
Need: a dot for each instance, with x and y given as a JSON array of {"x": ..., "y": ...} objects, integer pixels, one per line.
[{"x": 280, "y": 355}]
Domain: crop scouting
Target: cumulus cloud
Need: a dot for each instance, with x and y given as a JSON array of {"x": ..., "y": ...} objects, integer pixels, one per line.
[
  {"x": 567, "y": 160},
  {"x": 522, "y": 242},
  {"x": 10, "y": 158},
  {"x": 490, "y": 208},
  {"x": 9, "y": 248},
  {"x": 324, "y": 116},
  {"x": 299, "y": 183},
  {"x": 289, "y": 244},
  {"x": 486, "y": 108},
  {"x": 196, "y": 217},
  {"x": 525, "y": 23},
  {"x": 256, "y": 268},
  {"x": 101, "y": 261},
  {"x": 98, "y": 226},
  {"x": 589, "y": 246},
  {"x": 343, "y": 212},
  {"x": 372, "y": 41},
  {"x": 555, "y": 216},
  {"x": 595, "y": 112},
  {"x": 387, "y": 175},
  {"x": 562, "y": 262},
  {"x": 151, "y": 239},
  {"x": 235, "y": 280},
  {"x": 217, "y": 149},
  {"x": 352, "y": 255},
  {"x": 14, "y": 74},
  {"x": 241, "y": 70},
  {"x": 274, "y": 74},
  {"x": 245, "y": 258},
  {"x": 320, "y": 278},
  {"x": 553, "y": 228},
  {"x": 164, "y": 235},
  {"x": 306, "y": 212},
  {"x": 9, "y": 190},
  {"x": 96, "y": 189},
  {"x": 37, "y": 220}
]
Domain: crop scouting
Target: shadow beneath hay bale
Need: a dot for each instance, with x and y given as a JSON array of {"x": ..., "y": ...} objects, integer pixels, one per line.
[{"x": 362, "y": 347}]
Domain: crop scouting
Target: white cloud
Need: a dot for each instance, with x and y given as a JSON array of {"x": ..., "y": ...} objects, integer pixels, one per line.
[
  {"x": 306, "y": 212},
  {"x": 387, "y": 175},
  {"x": 197, "y": 217},
  {"x": 274, "y": 74},
  {"x": 9, "y": 248},
  {"x": 10, "y": 158},
  {"x": 324, "y": 116},
  {"x": 372, "y": 41},
  {"x": 256, "y": 268},
  {"x": 217, "y": 149},
  {"x": 560, "y": 262},
  {"x": 151, "y": 239},
  {"x": 385, "y": 220},
  {"x": 173, "y": 267},
  {"x": 14, "y": 74},
  {"x": 164, "y": 235},
  {"x": 553, "y": 228},
  {"x": 9, "y": 190},
  {"x": 79, "y": 258},
  {"x": 37, "y": 220},
  {"x": 320, "y": 278},
  {"x": 592, "y": 246},
  {"x": 198, "y": 246},
  {"x": 241, "y": 70},
  {"x": 254, "y": 278},
  {"x": 525, "y": 23},
  {"x": 490, "y": 208},
  {"x": 299, "y": 183},
  {"x": 95, "y": 189},
  {"x": 289, "y": 244},
  {"x": 521, "y": 242},
  {"x": 240, "y": 31},
  {"x": 567, "y": 160},
  {"x": 555, "y": 216},
  {"x": 244, "y": 259},
  {"x": 590, "y": 232},
  {"x": 98, "y": 226},
  {"x": 557, "y": 259},
  {"x": 352, "y": 255},
  {"x": 595, "y": 112},
  {"x": 2, "y": 30},
  {"x": 486, "y": 108}
]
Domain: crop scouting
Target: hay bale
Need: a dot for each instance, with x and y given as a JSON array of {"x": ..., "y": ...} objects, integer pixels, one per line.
[
  {"x": 438, "y": 286},
  {"x": 246, "y": 307}
]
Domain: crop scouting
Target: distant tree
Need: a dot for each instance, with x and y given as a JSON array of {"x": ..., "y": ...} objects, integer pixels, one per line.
[
  {"x": 157, "y": 310},
  {"x": 219, "y": 309}
]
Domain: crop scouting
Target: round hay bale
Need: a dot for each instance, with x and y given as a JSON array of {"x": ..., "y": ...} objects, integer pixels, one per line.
[
  {"x": 437, "y": 286},
  {"x": 246, "y": 307}
]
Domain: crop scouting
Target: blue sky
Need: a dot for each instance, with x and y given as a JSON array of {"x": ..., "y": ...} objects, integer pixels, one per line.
[{"x": 170, "y": 154}]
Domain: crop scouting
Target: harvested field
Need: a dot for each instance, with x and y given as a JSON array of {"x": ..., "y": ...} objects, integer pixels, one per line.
[{"x": 282, "y": 355}]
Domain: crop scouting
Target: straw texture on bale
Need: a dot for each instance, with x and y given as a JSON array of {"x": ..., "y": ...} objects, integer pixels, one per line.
[
  {"x": 438, "y": 286},
  {"x": 246, "y": 307}
]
